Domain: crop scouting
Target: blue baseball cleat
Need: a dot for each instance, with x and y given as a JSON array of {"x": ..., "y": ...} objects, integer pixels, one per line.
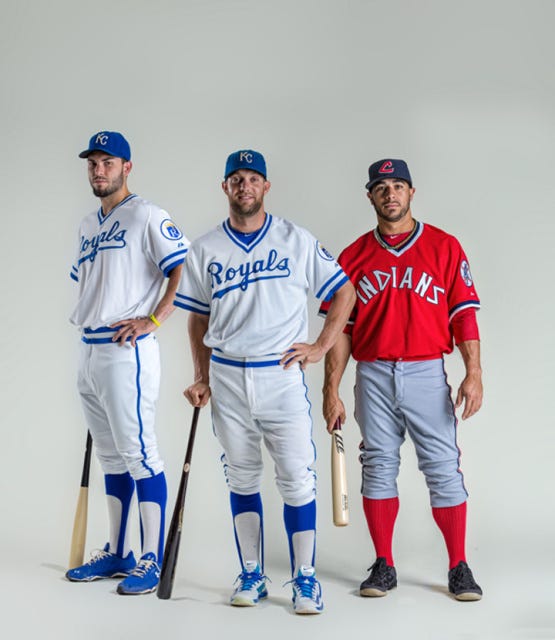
[
  {"x": 102, "y": 565},
  {"x": 143, "y": 579}
]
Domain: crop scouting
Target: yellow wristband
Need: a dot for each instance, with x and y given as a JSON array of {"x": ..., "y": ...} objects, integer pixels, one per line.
[{"x": 154, "y": 319}]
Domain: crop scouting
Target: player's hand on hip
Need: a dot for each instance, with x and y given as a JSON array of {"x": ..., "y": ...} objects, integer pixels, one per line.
[
  {"x": 471, "y": 393},
  {"x": 333, "y": 409},
  {"x": 198, "y": 394},
  {"x": 301, "y": 353},
  {"x": 133, "y": 328}
]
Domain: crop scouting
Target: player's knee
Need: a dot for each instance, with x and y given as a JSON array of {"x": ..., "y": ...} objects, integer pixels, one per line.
[{"x": 297, "y": 491}]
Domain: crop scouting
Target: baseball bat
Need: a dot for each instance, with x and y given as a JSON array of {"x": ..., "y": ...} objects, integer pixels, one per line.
[
  {"x": 77, "y": 550},
  {"x": 171, "y": 551},
  {"x": 340, "y": 496}
]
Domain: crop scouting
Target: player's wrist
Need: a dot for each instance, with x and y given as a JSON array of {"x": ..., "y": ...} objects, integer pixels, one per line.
[{"x": 154, "y": 320}]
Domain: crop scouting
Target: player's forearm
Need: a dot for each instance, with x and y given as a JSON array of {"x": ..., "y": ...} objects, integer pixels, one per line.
[
  {"x": 198, "y": 326},
  {"x": 470, "y": 352},
  {"x": 335, "y": 364},
  {"x": 337, "y": 316},
  {"x": 165, "y": 306}
]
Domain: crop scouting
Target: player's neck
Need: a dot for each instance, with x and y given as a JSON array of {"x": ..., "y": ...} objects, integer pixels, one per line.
[
  {"x": 387, "y": 228},
  {"x": 247, "y": 224},
  {"x": 111, "y": 202}
]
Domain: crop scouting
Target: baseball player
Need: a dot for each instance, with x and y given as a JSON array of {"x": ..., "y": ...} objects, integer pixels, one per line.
[
  {"x": 126, "y": 249},
  {"x": 246, "y": 285},
  {"x": 415, "y": 297}
]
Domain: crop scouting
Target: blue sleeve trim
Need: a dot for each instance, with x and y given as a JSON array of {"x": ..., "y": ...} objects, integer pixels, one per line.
[
  {"x": 337, "y": 285},
  {"x": 181, "y": 253},
  {"x": 172, "y": 266},
  {"x": 190, "y": 307}
]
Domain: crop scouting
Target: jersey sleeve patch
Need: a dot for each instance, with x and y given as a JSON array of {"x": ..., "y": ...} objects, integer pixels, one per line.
[
  {"x": 169, "y": 230},
  {"x": 323, "y": 252},
  {"x": 465, "y": 273}
]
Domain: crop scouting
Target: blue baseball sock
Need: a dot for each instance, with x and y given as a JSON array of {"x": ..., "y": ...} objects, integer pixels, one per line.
[
  {"x": 300, "y": 524},
  {"x": 119, "y": 492},
  {"x": 153, "y": 495},
  {"x": 248, "y": 527}
]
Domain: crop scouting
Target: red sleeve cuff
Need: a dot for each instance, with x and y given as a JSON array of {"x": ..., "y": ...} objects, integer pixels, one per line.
[{"x": 465, "y": 326}]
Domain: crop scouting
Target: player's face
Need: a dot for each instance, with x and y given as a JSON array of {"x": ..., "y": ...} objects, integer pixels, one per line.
[
  {"x": 391, "y": 199},
  {"x": 245, "y": 190},
  {"x": 107, "y": 174}
]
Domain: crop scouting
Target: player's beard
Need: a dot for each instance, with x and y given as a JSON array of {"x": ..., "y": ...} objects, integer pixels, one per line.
[
  {"x": 246, "y": 211},
  {"x": 107, "y": 189},
  {"x": 392, "y": 218}
]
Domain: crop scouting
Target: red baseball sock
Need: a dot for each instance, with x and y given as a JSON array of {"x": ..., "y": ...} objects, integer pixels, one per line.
[
  {"x": 381, "y": 516},
  {"x": 452, "y": 523}
]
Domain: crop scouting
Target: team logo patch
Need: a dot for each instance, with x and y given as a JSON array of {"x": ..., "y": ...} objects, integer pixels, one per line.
[
  {"x": 323, "y": 252},
  {"x": 169, "y": 230},
  {"x": 465, "y": 273}
]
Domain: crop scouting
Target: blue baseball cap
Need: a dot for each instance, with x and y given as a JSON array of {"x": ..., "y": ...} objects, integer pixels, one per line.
[
  {"x": 388, "y": 168},
  {"x": 245, "y": 159},
  {"x": 111, "y": 142}
]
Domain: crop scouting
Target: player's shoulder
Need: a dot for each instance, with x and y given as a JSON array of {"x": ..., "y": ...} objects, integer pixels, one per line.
[
  {"x": 208, "y": 238},
  {"x": 437, "y": 235},
  {"x": 356, "y": 245},
  {"x": 290, "y": 228},
  {"x": 145, "y": 207}
]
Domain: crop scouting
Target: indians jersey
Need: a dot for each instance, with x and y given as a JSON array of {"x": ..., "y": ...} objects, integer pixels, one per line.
[
  {"x": 406, "y": 295},
  {"x": 122, "y": 260},
  {"x": 256, "y": 293}
]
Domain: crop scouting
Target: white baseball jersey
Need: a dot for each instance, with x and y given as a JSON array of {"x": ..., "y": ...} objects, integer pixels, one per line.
[
  {"x": 122, "y": 260},
  {"x": 256, "y": 292}
]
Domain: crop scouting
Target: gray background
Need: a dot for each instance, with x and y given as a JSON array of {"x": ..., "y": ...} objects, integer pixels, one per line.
[{"x": 464, "y": 91}]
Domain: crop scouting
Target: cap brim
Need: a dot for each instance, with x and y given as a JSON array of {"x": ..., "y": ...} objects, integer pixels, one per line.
[
  {"x": 370, "y": 184},
  {"x": 248, "y": 168}
]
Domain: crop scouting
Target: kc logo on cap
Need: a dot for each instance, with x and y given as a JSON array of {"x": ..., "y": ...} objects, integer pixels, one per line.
[
  {"x": 111, "y": 142},
  {"x": 245, "y": 159}
]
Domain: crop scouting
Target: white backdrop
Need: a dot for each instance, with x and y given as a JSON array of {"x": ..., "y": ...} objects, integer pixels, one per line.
[{"x": 464, "y": 91}]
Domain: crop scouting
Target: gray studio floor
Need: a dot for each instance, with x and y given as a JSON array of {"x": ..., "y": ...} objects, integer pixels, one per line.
[{"x": 518, "y": 602}]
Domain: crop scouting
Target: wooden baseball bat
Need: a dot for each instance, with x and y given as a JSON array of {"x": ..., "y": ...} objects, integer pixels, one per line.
[
  {"x": 79, "y": 534},
  {"x": 340, "y": 496},
  {"x": 171, "y": 551}
]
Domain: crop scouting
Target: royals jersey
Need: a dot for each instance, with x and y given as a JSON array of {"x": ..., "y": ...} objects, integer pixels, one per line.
[
  {"x": 256, "y": 293},
  {"x": 406, "y": 295},
  {"x": 122, "y": 260}
]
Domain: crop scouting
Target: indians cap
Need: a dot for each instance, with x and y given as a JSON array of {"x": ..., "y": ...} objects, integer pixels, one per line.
[
  {"x": 388, "y": 168},
  {"x": 245, "y": 159},
  {"x": 111, "y": 142}
]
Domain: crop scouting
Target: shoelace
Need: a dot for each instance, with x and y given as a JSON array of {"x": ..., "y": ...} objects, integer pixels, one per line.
[
  {"x": 142, "y": 568},
  {"x": 98, "y": 554},
  {"x": 248, "y": 580},
  {"x": 462, "y": 577},
  {"x": 379, "y": 573},
  {"x": 305, "y": 585}
]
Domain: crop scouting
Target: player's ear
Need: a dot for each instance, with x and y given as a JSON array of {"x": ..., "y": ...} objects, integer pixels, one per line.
[
  {"x": 267, "y": 185},
  {"x": 369, "y": 196},
  {"x": 224, "y": 187},
  {"x": 127, "y": 166},
  {"x": 411, "y": 190}
]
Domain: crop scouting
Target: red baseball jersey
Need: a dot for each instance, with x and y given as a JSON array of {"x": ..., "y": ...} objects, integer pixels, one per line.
[{"x": 407, "y": 294}]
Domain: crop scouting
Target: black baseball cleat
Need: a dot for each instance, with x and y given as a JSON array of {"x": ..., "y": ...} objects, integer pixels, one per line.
[
  {"x": 462, "y": 584},
  {"x": 382, "y": 578}
]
